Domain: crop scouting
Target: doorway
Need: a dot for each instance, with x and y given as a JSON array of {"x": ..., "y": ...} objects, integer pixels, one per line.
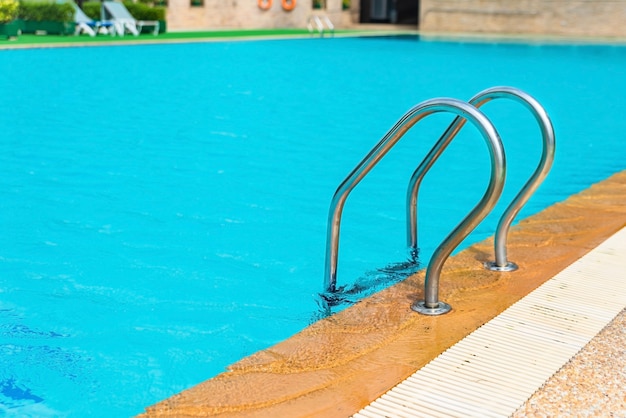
[{"x": 402, "y": 12}]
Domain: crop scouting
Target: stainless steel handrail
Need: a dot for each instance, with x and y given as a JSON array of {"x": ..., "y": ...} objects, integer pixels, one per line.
[
  {"x": 547, "y": 132},
  {"x": 431, "y": 305},
  {"x": 319, "y": 23},
  {"x": 329, "y": 25}
]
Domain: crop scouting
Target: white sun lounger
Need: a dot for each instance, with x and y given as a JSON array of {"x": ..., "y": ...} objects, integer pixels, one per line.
[
  {"x": 85, "y": 24},
  {"x": 123, "y": 21}
]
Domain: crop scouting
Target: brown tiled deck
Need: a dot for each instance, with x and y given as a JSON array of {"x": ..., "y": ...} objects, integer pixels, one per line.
[{"x": 340, "y": 364}]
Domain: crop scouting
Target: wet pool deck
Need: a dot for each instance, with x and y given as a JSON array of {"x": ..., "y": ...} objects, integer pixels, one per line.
[{"x": 340, "y": 364}]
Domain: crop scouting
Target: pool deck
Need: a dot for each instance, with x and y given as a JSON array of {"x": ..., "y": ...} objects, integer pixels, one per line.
[
  {"x": 591, "y": 384},
  {"x": 341, "y": 364},
  {"x": 361, "y": 30},
  {"x": 493, "y": 371}
]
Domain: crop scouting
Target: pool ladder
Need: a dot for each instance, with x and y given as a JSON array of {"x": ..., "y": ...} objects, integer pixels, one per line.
[
  {"x": 320, "y": 23},
  {"x": 431, "y": 305}
]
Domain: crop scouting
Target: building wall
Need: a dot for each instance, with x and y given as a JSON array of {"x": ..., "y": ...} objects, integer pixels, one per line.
[
  {"x": 551, "y": 17},
  {"x": 246, "y": 14}
]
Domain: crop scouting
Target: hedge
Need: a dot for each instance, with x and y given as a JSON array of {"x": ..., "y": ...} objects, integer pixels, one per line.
[
  {"x": 141, "y": 11},
  {"x": 9, "y": 10},
  {"x": 92, "y": 9},
  {"x": 44, "y": 11},
  {"x": 138, "y": 10}
]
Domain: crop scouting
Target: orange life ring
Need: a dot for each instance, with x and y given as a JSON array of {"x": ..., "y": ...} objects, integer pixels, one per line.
[
  {"x": 264, "y": 4},
  {"x": 288, "y": 5}
]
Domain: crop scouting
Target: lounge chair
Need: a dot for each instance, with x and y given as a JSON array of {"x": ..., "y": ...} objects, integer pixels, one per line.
[
  {"x": 85, "y": 24},
  {"x": 123, "y": 21}
]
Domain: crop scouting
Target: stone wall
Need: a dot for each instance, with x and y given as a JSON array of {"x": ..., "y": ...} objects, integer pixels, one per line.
[
  {"x": 246, "y": 14},
  {"x": 604, "y": 18}
]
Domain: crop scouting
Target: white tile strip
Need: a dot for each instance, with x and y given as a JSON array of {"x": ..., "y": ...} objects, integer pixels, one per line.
[{"x": 495, "y": 369}]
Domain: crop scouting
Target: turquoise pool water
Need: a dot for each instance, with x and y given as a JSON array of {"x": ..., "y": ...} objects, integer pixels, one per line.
[{"x": 163, "y": 208}]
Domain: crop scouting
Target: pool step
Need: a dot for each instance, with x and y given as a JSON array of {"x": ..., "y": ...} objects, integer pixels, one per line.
[{"x": 495, "y": 369}]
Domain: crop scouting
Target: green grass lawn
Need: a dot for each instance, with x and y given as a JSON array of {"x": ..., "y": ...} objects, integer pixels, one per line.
[{"x": 49, "y": 40}]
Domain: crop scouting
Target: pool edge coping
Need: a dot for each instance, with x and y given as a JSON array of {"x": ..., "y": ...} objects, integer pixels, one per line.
[{"x": 531, "y": 340}]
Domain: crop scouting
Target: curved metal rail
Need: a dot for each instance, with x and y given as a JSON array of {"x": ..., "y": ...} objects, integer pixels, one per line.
[
  {"x": 431, "y": 305},
  {"x": 320, "y": 23},
  {"x": 501, "y": 263}
]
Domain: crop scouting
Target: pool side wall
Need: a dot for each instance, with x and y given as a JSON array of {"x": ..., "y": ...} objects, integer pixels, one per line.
[
  {"x": 598, "y": 18},
  {"x": 340, "y": 364}
]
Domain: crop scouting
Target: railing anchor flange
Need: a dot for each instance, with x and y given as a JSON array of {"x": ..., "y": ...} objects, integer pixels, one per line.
[
  {"x": 440, "y": 309},
  {"x": 509, "y": 266}
]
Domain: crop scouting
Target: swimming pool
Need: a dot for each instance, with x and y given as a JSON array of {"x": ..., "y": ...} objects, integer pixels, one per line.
[{"x": 164, "y": 207}]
